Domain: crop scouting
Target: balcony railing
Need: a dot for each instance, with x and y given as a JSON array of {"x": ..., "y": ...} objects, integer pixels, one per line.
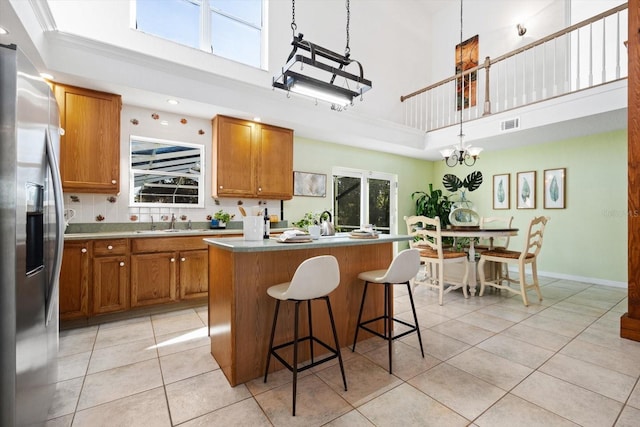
[{"x": 579, "y": 57}]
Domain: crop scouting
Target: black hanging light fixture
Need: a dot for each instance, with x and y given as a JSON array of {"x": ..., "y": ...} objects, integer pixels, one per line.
[
  {"x": 461, "y": 153},
  {"x": 309, "y": 76}
]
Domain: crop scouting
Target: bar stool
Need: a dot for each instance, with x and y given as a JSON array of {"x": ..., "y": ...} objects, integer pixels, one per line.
[
  {"x": 314, "y": 278},
  {"x": 403, "y": 268}
]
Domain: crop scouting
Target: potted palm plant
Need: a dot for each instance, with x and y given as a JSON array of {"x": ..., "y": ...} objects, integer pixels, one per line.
[{"x": 433, "y": 204}]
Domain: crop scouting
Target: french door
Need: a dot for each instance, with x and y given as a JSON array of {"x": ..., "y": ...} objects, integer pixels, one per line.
[{"x": 364, "y": 197}]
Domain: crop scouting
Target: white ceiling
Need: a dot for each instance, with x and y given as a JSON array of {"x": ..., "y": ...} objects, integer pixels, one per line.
[{"x": 146, "y": 81}]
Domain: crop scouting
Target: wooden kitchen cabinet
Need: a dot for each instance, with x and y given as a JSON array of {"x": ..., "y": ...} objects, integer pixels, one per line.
[
  {"x": 153, "y": 278},
  {"x": 194, "y": 274},
  {"x": 253, "y": 160},
  {"x": 74, "y": 280},
  {"x": 90, "y": 147},
  {"x": 110, "y": 286},
  {"x": 168, "y": 270}
]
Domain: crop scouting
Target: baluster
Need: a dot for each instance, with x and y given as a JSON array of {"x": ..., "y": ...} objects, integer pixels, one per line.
[{"x": 590, "y": 55}]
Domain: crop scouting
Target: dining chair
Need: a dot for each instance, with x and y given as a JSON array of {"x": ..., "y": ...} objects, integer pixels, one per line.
[
  {"x": 485, "y": 244},
  {"x": 403, "y": 268},
  {"x": 528, "y": 256},
  {"x": 315, "y": 278},
  {"x": 497, "y": 243},
  {"x": 436, "y": 258}
]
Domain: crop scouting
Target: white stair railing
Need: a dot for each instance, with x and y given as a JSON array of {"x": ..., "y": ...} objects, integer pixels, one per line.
[{"x": 584, "y": 55}]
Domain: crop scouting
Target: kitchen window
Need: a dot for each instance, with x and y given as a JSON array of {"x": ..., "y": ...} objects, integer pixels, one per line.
[
  {"x": 231, "y": 29},
  {"x": 364, "y": 197}
]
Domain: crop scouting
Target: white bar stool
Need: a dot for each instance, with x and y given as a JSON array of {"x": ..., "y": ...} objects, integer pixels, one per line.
[
  {"x": 403, "y": 268},
  {"x": 315, "y": 278}
]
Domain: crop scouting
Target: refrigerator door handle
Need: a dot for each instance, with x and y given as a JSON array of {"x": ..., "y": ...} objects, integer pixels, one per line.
[{"x": 59, "y": 208}]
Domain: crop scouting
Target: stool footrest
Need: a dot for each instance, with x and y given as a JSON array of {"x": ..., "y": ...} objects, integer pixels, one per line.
[
  {"x": 334, "y": 353},
  {"x": 378, "y": 334}
]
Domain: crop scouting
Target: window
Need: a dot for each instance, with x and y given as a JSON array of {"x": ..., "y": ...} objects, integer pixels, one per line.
[
  {"x": 166, "y": 172},
  {"x": 364, "y": 197},
  {"x": 228, "y": 28}
]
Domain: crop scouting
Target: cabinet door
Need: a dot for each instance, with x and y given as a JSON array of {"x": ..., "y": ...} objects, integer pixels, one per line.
[
  {"x": 194, "y": 274},
  {"x": 153, "y": 278},
  {"x": 233, "y": 173},
  {"x": 109, "y": 289},
  {"x": 74, "y": 281},
  {"x": 90, "y": 147},
  {"x": 275, "y": 163}
]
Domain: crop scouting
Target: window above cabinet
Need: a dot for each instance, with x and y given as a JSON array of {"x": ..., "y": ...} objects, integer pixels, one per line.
[{"x": 165, "y": 173}]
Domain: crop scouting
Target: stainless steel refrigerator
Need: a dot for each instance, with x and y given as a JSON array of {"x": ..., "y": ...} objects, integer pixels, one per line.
[{"x": 31, "y": 241}]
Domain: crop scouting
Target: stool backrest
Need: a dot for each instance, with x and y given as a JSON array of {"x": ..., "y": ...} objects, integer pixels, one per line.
[
  {"x": 314, "y": 278},
  {"x": 403, "y": 268}
]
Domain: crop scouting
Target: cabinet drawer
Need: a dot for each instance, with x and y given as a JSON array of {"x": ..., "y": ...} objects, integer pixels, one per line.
[
  {"x": 110, "y": 247},
  {"x": 168, "y": 244}
]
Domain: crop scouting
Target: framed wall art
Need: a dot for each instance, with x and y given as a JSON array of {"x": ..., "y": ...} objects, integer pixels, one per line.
[
  {"x": 526, "y": 190},
  {"x": 554, "y": 188},
  {"x": 309, "y": 184},
  {"x": 501, "y": 191}
]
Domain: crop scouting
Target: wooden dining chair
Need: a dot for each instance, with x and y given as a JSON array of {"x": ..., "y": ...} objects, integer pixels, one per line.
[
  {"x": 436, "y": 258},
  {"x": 528, "y": 256},
  {"x": 485, "y": 244}
]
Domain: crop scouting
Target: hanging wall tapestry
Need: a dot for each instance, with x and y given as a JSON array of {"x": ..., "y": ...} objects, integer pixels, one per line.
[{"x": 466, "y": 87}]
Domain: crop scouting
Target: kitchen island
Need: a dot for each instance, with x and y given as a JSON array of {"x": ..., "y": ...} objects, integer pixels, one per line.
[{"x": 241, "y": 312}]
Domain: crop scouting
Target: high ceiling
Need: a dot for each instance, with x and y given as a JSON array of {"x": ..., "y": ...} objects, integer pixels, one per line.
[{"x": 147, "y": 81}]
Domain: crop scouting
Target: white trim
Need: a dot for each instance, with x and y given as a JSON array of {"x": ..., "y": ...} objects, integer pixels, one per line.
[
  {"x": 43, "y": 14},
  {"x": 581, "y": 279}
]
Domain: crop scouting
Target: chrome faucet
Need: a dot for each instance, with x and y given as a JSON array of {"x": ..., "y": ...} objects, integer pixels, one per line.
[
  {"x": 153, "y": 225},
  {"x": 172, "y": 226},
  {"x": 189, "y": 225}
]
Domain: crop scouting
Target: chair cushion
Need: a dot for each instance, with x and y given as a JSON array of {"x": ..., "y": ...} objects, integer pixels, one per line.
[
  {"x": 431, "y": 253},
  {"x": 503, "y": 253}
]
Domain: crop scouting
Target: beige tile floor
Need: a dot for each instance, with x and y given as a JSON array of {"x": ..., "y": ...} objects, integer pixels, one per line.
[{"x": 489, "y": 361}]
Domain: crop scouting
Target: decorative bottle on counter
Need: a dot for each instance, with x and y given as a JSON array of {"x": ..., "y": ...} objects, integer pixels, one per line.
[{"x": 267, "y": 224}]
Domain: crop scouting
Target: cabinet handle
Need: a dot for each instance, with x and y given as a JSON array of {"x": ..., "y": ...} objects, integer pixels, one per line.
[
  {"x": 113, "y": 181},
  {"x": 109, "y": 247},
  {"x": 173, "y": 260},
  {"x": 121, "y": 263},
  {"x": 259, "y": 188},
  {"x": 183, "y": 259},
  {"x": 221, "y": 187},
  {"x": 83, "y": 250}
]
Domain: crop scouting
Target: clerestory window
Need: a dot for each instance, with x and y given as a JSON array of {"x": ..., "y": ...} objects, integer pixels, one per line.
[{"x": 232, "y": 29}]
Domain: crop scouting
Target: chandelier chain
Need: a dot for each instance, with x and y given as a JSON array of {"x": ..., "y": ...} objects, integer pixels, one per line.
[
  {"x": 347, "y": 49},
  {"x": 294, "y": 27},
  {"x": 461, "y": 77}
]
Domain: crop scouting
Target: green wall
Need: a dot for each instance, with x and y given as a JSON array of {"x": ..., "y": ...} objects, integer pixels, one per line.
[
  {"x": 585, "y": 241},
  {"x": 321, "y": 157}
]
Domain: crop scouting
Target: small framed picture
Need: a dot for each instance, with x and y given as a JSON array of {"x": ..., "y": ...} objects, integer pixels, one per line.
[
  {"x": 526, "y": 190},
  {"x": 501, "y": 191},
  {"x": 554, "y": 188},
  {"x": 309, "y": 184}
]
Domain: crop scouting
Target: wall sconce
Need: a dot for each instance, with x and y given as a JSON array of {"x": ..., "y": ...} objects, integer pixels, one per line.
[{"x": 521, "y": 30}]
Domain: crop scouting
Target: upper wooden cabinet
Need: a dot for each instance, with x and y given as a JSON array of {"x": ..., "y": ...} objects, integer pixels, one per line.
[
  {"x": 252, "y": 160},
  {"x": 90, "y": 147}
]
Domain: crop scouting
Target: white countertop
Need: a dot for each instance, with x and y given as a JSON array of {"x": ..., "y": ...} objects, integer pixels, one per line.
[{"x": 158, "y": 233}]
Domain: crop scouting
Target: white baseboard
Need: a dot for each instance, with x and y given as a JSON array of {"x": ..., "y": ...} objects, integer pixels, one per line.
[{"x": 603, "y": 282}]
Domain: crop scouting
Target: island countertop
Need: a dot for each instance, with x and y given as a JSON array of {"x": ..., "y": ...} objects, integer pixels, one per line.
[{"x": 238, "y": 244}]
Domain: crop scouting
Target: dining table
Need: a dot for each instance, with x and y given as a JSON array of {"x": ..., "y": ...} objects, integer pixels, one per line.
[{"x": 473, "y": 232}]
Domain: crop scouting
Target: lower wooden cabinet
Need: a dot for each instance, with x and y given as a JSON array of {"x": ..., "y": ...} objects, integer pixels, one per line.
[
  {"x": 194, "y": 274},
  {"x": 110, "y": 284},
  {"x": 103, "y": 276},
  {"x": 153, "y": 278},
  {"x": 74, "y": 280}
]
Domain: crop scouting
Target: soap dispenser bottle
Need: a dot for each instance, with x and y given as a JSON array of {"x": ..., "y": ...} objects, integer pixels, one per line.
[{"x": 267, "y": 224}]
